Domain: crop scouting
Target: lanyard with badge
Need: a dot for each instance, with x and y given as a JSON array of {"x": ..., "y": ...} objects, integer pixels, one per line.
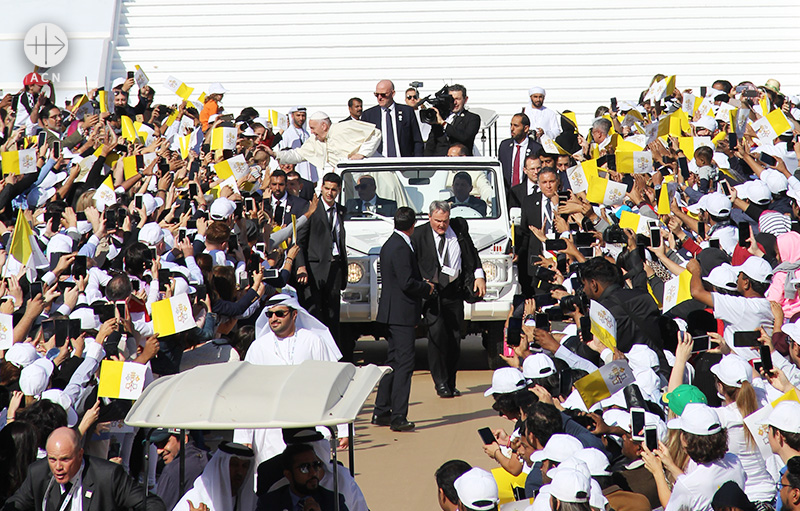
[{"x": 76, "y": 486}]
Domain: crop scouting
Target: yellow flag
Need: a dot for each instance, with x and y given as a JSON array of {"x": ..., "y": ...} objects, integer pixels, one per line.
[
  {"x": 19, "y": 162},
  {"x": 571, "y": 118},
  {"x": 634, "y": 162},
  {"x": 637, "y": 223},
  {"x": 102, "y": 98},
  {"x": 663, "y": 200},
  {"x": 21, "y": 247},
  {"x": 677, "y": 290},
  {"x": 121, "y": 380},
  {"x": 601, "y": 384},
  {"x": 173, "y": 315},
  {"x": 604, "y": 326},
  {"x": 605, "y": 191},
  {"x": 223, "y": 138},
  {"x": 172, "y": 84},
  {"x": 690, "y": 144},
  {"x": 128, "y": 129}
]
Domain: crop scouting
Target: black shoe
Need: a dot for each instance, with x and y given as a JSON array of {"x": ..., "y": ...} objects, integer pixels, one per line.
[
  {"x": 456, "y": 392},
  {"x": 442, "y": 390},
  {"x": 401, "y": 425},
  {"x": 382, "y": 420}
]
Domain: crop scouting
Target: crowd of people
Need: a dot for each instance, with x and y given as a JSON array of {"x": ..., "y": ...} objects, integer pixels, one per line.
[{"x": 660, "y": 248}]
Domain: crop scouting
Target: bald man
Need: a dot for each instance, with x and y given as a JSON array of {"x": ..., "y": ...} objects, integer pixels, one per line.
[
  {"x": 67, "y": 480},
  {"x": 400, "y": 134}
]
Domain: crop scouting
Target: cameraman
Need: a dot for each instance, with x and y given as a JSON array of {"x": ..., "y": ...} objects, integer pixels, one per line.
[{"x": 460, "y": 126}]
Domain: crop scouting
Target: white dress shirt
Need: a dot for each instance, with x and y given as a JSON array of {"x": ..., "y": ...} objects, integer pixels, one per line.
[{"x": 453, "y": 251}]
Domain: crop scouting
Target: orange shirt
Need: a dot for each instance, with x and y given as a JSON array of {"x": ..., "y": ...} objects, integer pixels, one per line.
[{"x": 209, "y": 109}]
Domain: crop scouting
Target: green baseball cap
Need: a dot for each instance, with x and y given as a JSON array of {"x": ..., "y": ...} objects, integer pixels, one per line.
[{"x": 683, "y": 395}]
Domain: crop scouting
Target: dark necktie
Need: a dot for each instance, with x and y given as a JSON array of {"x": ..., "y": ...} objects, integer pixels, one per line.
[
  {"x": 390, "y": 148},
  {"x": 515, "y": 172},
  {"x": 548, "y": 217},
  {"x": 444, "y": 279},
  {"x": 67, "y": 489},
  {"x": 332, "y": 221},
  {"x": 278, "y": 218}
]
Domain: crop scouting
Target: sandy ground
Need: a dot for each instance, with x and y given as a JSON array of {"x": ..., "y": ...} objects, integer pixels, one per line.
[{"x": 395, "y": 470}]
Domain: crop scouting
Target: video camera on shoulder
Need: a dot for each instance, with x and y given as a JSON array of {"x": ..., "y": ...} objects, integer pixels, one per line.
[{"x": 441, "y": 101}]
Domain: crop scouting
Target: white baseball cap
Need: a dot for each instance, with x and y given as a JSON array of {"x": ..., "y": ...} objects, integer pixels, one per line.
[
  {"x": 715, "y": 204},
  {"x": 733, "y": 370},
  {"x": 706, "y": 122},
  {"x": 723, "y": 276},
  {"x": 755, "y": 191},
  {"x": 221, "y": 209},
  {"x": 542, "y": 500},
  {"x": 558, "y": 448},
  {"x": 570, "y": 485},
  {"x": 151, "y": 203},
  {"x": 775, "y": 181},
  {"x": 697, "y": 419},
  {"x": 59, "y": 397},
  {"x": 785, "y": 417},
  {"x": 34, "y": 379},
  {"x": 792, "y": 330},
  {"x": 596, "y": 498},
  {"x": 216, "y": 88},
  {"x": 505, "y": 381},
  {"x": 151, "y": 234},
  {"x": 537, "y": 366},
  {"x": 756, "y": 269},
  {"x": 477, "y": 489},
  {"x": 22, "y": 354},
  {"x": 571, "y": 463},
  {"x": 595, "y": 460}
]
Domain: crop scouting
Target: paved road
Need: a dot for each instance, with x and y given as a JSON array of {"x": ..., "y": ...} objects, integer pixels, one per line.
[{"x": 395, "y": 470}]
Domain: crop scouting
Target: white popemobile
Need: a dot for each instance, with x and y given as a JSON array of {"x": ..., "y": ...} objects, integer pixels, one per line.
[{"x": 415, "y": 182}]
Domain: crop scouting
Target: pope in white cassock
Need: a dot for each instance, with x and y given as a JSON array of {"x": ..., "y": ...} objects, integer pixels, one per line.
[
  {"x": 332, "y": 143},
  {"x": 543, "y": 120},
  {"x": 286, "y": 334}
]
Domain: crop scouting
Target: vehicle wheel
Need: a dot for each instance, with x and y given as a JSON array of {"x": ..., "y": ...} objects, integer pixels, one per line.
[{"x": 492, "y": 338}]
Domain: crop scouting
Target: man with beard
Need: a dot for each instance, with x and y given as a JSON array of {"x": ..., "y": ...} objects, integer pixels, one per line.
[
  {"x": 303, "y": 469},
  {"x": 226, "y": 484}
]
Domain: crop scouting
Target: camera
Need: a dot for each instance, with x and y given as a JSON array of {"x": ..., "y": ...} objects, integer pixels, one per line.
[
  {"x": 615, "y": 234},
  {"x": 415, "y": 84},
  {"x": 441, "y": 101}
]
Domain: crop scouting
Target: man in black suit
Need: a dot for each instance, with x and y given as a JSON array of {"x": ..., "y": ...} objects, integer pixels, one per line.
[
  {"x": 322, "y": 260},
  {"x": 529, "y": 185},
  {"x": 401, "y": 136},
  {"x": 284, "y": 204},
  {"x": 368, "y": 200},
  {"x": 355, "y": 106},
  {"x": 513, "y": 151},
  {"x": 462, "y": 186},
  {"x": 304, "y": 470},
  {"x": 400, "y": 308},
  {"x": 297, "y": 185},
  {"x": 460, "y": 126},
  {"x": 447, "y": 257},
  {"x": 56, "y": 483},
  {"x": 539, "y": 211}
]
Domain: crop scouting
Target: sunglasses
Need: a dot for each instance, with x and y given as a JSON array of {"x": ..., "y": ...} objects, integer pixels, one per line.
[
  {"x": 382, "y": 94},
  {"x": 412, "y": 97},
  {"x": 305, "y": 468},
  {"x": 282, "y": 313}
]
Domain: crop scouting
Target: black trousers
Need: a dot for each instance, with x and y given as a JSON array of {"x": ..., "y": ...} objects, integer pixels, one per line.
[
  {"x": 395, "y": 387},
  {"x": 325, "y": 304},
  {"x": 444, "y": 317}
]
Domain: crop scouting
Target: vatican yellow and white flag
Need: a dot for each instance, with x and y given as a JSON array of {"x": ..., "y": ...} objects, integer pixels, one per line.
[
  {"x": 631, "y": 118},
  {"x": 724, "y": 112},
  {"x": 677, "y": 290},
  {"x": 105, "y": 196},
  {"x": 606, "y": 381},
  {"x": 664, "y": 207},
  {"x": 690, "y": 103},
  {"x": 102, "y": 100},
  {"x": 81, "y": 107},
  {"x": 706, "y": 108},
  {"x": 140, "y": 78},
  {"x": 690, "y": 144},
  {"x": 223, "y": 138},
  {"x": 173, "y": 315},
  {"x": 19, "y": 162},
  {"x": 176, "y": 86},
  {"x": 634, "y": 162},
  {"x": 607, "y": 192},
  {"x": 661, "y": 89},
  {"x": 637, "y": 223},
  {"x": 121, "y": 380},
  {"x": 236, "y": 167},
  {"x": 6, "y": 331},
  {"x": 604, "y": 326},
  {"x": 577, "y": 179},
  {"x": 769, "y": 127},
  {"x": 550, "y": 146}
]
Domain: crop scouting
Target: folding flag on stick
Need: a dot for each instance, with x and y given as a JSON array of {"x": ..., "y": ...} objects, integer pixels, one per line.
[
  {"x": 23, "y": 247},
  {"x": 236, "y": 167},
  {"x": 690, "y": 144},
  {"x": 601, "y": 384},
  {"x": 140, "y": 78},
  {"x": 105, "y": 195},
  {"x": 770, "y": 127},
  {"x": 634, "y": 162},
  {"x": 173, "y": 315},
  {"x": 604, "y": 326},
  {"x": 663, "y": 200},
  {"x": 605, "y": 191},
  {"x": 677, "y": 290},
  {"x": 223, "y": 138},
  {"x": 121, "y": 380},
  {"x": 178, "y": 87},
  {"x": 19, "y": 162}
]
